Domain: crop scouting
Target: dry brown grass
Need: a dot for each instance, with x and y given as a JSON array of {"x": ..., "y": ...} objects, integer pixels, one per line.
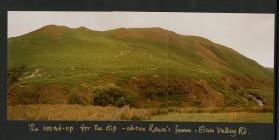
[
  {"x": 74, "y": 112},
  {"x": 90, "y": 112}
]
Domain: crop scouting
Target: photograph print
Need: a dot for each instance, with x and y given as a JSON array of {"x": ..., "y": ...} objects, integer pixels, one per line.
[{"x": 140, "y": 66}]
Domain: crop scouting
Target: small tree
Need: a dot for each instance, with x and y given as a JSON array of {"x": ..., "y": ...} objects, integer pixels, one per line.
[{"x": 110, "y": 94}]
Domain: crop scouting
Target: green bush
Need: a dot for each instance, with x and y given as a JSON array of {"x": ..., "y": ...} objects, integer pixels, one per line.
[{"x": 110, "y": 94}]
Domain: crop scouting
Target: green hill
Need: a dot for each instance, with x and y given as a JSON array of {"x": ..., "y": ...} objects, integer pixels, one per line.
[{"x": 161, "y": 67}]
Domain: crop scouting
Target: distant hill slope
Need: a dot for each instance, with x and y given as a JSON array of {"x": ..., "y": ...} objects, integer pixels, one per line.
[
  {"x": 271, "y": 69},
  {"x": 80, "y": 54}
]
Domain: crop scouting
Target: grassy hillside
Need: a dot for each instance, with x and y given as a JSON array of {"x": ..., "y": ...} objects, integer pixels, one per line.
[{"x": 157, "y": 67}]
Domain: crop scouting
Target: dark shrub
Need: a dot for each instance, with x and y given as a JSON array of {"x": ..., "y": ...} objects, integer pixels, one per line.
[
  {"x": 167, "y": 91},
  {"x": 110, "y": 94},
  {"x": 78, "y": 99},
  {"x": 15, "y": 73}
]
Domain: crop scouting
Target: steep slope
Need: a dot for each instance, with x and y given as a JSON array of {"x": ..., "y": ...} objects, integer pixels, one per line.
[{"x": 193, "y": 67}]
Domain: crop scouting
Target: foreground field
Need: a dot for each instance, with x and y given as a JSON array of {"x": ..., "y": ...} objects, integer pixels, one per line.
[
  {"x": 216, "y": 117},
  {"x": 79, "y": 112}
]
